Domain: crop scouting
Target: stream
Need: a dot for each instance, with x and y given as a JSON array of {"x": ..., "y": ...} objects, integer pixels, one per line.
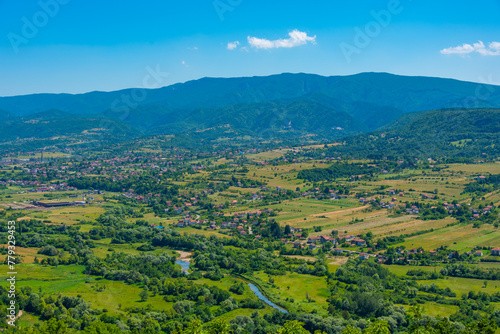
[
  {"x": 254, "y": 288},
  {"x": 184, "y": 266},
  {"x": 259, "y": 295}
]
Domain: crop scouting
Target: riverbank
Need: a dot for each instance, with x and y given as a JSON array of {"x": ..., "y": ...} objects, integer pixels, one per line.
[
  {"x": 251, "y": 280},
  {"x": 184, "y": 256},
  {"x": 261, "y": 296}
]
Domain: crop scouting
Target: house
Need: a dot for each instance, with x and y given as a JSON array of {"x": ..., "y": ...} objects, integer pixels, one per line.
[
  {"x": 478, "y": 253},
  {"x": 495, "y": 251},
  {"x": 296, "y": 244},
  {"x": 338, "y": 250},
  {"x": 363, "y": 256},
  {"x": 359, "y": 242},
  {"x": 311, "y": 240},
  {"x": 325, "y": 238},
  {"x": 313, "y": 246},
  {"x": 349, "y": 237}
]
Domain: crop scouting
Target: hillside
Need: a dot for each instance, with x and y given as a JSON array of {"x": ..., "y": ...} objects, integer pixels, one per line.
[
  {"x": 430, "y": 134},
  {"x": 356, "y": 94},
  {"x": 291, "y": 108},
  {"x": 266, "y": 119},
  {"x": 58, "y": 124}
]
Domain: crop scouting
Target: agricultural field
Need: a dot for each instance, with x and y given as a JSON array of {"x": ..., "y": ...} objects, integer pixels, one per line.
[{"x": 190, "y": 237}]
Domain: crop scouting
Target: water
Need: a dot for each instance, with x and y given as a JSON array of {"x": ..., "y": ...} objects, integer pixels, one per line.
[
  {"x": 184, "y": 265},
  {"x": 259, "y": 295}
]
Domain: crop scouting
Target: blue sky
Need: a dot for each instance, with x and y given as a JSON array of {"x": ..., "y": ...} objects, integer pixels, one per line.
[{"x": 76, "y": 46}]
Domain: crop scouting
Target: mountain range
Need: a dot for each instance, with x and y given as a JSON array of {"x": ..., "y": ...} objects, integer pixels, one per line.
[{"x": 284, "y": 105}]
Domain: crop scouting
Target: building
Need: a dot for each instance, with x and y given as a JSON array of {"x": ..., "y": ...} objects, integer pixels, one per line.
[
  {"x": 359, "y": 242},
  {"x": 57, "y": 204}
]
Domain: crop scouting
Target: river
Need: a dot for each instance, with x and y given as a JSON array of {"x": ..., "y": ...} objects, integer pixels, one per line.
[
  {"x": 184, "y": 265},
  {"x": 259, "y": 295},
  {"x": 254, "y": 288}
]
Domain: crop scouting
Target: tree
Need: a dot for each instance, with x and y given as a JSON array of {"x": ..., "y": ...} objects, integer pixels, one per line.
[
  {"x": 293, "y": 327},
  {"x": 99, "y": 327},
  {"x": 218, "y": 326},
  {"x": 54, "y": 326},
  {"x": 351, "y": 330},
  {"x": 287, "y": 229},
  {"x": 378, "y": 327},
  {"x": 144, "y": 295}
]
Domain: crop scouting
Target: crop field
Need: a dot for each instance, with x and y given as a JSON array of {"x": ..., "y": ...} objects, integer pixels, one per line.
[
  {"x": 387, "y": 226},
  {"x": 297, "y": 292},
  {"x": 461, "y": 237}
]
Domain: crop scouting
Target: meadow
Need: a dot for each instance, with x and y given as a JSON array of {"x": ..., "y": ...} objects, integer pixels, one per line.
[{"x": 295, "y": 292}]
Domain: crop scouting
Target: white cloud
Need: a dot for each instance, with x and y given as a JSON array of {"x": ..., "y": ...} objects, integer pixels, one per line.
[
  {"x": 493, "y": 49},
  {"x": 297, "y": 38},
  {"x": 495, "y": 45},
  {"x": 232, "y": 45},
  {"x": 184, "y": 63}
]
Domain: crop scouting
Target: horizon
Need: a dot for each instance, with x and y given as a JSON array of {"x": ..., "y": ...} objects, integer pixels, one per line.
[
  {"x": 62, "y": 46},
  {"x": 254, "y": 76}
]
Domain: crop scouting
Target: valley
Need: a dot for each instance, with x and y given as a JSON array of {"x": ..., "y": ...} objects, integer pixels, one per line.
[{"x": 271, "y": 218}]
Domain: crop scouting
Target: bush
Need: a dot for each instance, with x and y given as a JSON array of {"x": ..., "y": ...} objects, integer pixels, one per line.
[{"x": 48, "y": 250}]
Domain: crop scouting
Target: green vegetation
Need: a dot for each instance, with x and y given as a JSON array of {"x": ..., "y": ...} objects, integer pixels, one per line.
[{"x": 374, "y": 233}]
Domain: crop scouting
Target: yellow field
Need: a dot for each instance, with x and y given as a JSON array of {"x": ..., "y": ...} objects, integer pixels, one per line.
[{"x": 462, "y": 238}]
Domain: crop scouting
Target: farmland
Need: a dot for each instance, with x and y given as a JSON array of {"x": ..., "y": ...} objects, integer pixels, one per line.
[{"x": 250, "y": 219}]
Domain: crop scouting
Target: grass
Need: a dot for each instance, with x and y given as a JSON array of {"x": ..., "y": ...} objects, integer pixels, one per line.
[
  {"x": 458, "y": 285},
  {"x": 402, "y": 270},
  {"x": 71, "y": 281},
  {"x": 298, "y": 287},
  {"x": 192, "y": 230},
  {"x": 225, "y": 284},
  {"x": 28, "y": 254},
  {"x": 435, "y": 309},
  {"x": 461, "y": 285},
  {"x": 27, "y": 320},
  {"x": 461, "y": 238},
  {"x": 115, "y": 293},
  {"x": 300, "y": 212},
  {"x": 242, "y": 312}
]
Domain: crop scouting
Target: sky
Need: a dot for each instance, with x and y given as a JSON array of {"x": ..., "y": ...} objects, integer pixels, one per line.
[{"x": 77, "y": 46}]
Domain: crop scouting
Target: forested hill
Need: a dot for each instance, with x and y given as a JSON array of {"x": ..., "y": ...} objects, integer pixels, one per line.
[
  {"x": 361, "y": 95},
  {"x": 268, "y": 119},
  {"x": 64, "y": 127},
  {"x": 289, "y": 108},
  {"x": 430, "y": 134}
]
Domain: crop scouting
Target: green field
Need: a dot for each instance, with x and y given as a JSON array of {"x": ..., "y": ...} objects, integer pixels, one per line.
[{"x": 291, "y": 291}]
